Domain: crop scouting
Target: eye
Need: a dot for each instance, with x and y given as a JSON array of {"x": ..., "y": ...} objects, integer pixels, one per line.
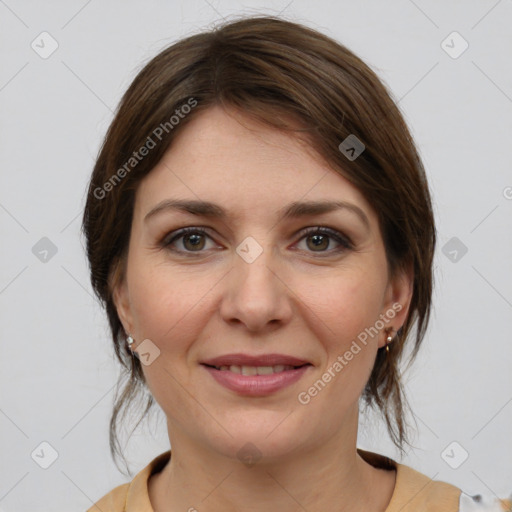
[
  {"x": 193, "y": 240},
  {"x": 321, "y": 239}
]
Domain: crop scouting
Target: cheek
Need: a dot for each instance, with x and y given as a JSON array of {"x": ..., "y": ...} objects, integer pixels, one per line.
[
  {"x": 171, "y": 306},
  {"x": 169, "y": 311},
  {"x": 345, "y": 308},
  {"x": 346, "y": 305},
  {"x": 164, "y": 300}
]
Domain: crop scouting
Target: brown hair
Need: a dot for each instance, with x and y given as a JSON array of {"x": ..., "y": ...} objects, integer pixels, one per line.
[{"x": 275, "y": 71}]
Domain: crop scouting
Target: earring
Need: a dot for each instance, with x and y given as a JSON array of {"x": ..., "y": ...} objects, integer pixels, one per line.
[
  {"x": 129, "y": 341},
  {"x": 389, "y": 339}
]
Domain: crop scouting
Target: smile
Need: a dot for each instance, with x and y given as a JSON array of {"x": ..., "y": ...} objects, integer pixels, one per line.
[{"x": 256, "y": 381}]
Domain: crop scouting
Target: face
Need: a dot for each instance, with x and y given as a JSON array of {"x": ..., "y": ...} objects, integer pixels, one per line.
[{"x": 261, "y": 325}]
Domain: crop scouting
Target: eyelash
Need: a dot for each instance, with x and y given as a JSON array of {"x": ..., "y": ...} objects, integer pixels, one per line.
[{"x": 344, "y": 241}]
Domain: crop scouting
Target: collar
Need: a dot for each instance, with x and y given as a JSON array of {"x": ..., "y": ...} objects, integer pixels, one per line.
[{"x": 413, "y": 490}]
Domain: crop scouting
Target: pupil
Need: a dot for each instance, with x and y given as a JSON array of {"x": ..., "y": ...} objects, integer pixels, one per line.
[
  {"x": 194, "y": 239},
  {"x": 318, "y": 239}
]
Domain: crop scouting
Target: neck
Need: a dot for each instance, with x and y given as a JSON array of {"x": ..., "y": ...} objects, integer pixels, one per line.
[{"x": 332, "y": 476}]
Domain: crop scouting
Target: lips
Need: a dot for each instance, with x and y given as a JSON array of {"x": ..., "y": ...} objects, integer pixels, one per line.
[{"x": 256, "y": 376}]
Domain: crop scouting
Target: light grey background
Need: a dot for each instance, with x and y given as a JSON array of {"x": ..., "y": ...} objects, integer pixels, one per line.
[{"x": 57, "y": 370}]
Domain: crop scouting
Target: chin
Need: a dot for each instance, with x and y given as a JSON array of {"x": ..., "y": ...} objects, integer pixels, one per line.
[{"x": 263, "y": 436}]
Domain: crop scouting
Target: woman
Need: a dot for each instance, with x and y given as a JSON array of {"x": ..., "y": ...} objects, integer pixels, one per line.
[{"x": 260, "y": 231}]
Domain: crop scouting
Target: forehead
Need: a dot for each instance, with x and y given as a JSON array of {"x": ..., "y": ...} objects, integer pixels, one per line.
[{"x": 248, "y": 167}]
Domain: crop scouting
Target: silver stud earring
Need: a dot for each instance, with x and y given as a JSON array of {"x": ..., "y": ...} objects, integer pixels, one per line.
[{"x": 129, "y": 341}]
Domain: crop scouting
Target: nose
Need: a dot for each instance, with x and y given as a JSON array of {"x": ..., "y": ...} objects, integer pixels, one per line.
[{"x": 255, "y": 294}]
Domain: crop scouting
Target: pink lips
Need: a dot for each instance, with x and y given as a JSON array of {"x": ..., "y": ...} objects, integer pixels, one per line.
[{"x": 256, "y": 385}]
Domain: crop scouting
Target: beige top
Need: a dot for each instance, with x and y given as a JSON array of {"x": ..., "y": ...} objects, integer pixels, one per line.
[{"x": 414, "y": 491}]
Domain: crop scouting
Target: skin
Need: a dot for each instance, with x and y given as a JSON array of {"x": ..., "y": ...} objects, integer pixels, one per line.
[{"x": 296, "y": 298}]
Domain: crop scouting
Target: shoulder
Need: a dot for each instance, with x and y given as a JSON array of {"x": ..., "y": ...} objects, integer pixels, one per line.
[
  {"x": 483, "y": 503},
  {"x": 114, "y": 501},
  {"x": 423, "y": 493},
  {"x": 132, "y": 496},
  {"x": 416, "y": 491}
]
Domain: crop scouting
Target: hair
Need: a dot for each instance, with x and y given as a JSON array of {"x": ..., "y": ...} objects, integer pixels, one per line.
[{"x": 295, "y": 79}]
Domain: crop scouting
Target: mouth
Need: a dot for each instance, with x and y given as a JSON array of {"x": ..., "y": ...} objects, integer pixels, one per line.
[{"x": 256, "y": 375}]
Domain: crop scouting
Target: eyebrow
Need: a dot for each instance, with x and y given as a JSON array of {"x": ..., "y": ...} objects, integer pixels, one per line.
[{"x": 295, "y": 209}]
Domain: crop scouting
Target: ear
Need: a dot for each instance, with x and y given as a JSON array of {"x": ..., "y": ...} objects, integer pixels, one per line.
[
  {"x": 397, "y": 300},
  {"x": 121, "y": 297}
]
